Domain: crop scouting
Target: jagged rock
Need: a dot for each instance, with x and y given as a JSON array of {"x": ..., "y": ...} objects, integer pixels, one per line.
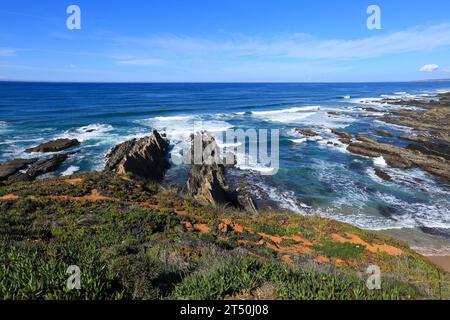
[
  {"x": 206, "y": 182},
  {"x": 384, "y": 133},
  {"x": 54, "y": 145},
  {"x": 145, "y": 158},
  {"x": 46, "y": 166},
  {"x": 383, "y": 175},
  {"x": 306, "y": 132},
  {"x": 401, "y": 157},
  {"x": 432, "y": 148},
  {"x": 345, "y": 137},
  {"x": 10, "y": 168}
]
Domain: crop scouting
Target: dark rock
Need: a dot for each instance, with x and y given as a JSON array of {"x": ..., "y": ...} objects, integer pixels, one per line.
[
  {"x": 54, "y": 146},
  {"x": 10, "y": 168},
  {"x": 145, "y": 158},
  {"x": 383, "y": 175},
  {"x": 306, "y": 132},
  {"x": 45, "y": 166},
  {"x": 384, "y": 133},
  {"x": 432, "y": 148},
  {"x": 401, "y": 157}
]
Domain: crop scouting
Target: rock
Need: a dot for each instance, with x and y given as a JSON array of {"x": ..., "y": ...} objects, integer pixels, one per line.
[
  {"x": 306, "y": 132},
  {"x": 383, "y": 175},
  {"x": 370, "y": 109},
  {"x": 46, "y": 166},
  {"x": 10, "y": 168},
  {"x": 54, "y": 146},
  {"x": 364, "y": 138},
  {"x": 384, "y": 133},
  {"x": 334, "y": 113},
  {"x": 206, "y": 182},
  {"x": 432, "y": 148},
  {"x": 145, "y": 158},
  {"x": 345, "y": 138},
  {"x": 402, "y": 158}
]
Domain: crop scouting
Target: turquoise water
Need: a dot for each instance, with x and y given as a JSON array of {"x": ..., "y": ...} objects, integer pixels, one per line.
[{"x": 314, "y": 176}]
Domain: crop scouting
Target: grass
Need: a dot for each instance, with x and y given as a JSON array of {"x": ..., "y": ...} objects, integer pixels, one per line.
[{"x": 127, "y": 249}]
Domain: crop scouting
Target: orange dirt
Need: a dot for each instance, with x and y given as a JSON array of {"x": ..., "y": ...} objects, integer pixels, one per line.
[
  {"x": 9, "y": 197},
  {"x": 374, "y": 248},
  {"x": 74, "y": 182},
  {"x": 202, "y": 228},
  {"x": 234, "y": 226},
  {"x": 322, "y": 259},
  {"x": 287, "y": 258}
]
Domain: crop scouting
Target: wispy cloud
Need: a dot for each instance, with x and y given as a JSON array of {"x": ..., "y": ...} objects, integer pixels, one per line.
[
  {"x": 141, "y": 62},
  {"x": 7, "y": 52},
  {"x": 300, "y": 46}
]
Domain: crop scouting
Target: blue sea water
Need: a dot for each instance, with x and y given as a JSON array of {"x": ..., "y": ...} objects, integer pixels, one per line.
[{"x": 315, "y": 177}]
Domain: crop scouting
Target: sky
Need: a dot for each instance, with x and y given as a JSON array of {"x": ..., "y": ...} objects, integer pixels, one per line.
[{"x": 224, "y": 41}]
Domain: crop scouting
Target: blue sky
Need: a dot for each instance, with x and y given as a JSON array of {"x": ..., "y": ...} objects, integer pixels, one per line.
[{"x": 224, "y": 41}]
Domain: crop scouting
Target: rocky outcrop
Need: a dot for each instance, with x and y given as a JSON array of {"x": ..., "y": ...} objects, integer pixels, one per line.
[
  {"x": 384, "y": 133},
  {"x": 54, "y": 146},
  {"x": 207, "y": 183},
  {"x": 12, "y": 167},
  {"x": 345, "y": 137},
  {"x": 401, "y": 157},
  {"x": 36, "y": 169},
  {"x": 306, "y": 132},
  {"x": 145, "y": 158},
  {"x": 45, "y": 166}
]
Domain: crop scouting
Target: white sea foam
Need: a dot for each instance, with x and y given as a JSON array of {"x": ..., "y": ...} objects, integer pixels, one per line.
[
  {"x": 380, "y": 162},
  {"x": 85, "y": 133},
  {"x": 70, "y": 170},
  {"x": 289, "y": 115},
  {"x": 299, "y": 141}
]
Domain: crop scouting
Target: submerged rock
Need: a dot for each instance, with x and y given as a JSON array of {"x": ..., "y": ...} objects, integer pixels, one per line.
[
  {"x": 382, "y": 174},
  {"x": 384, "y": 133},
  {"x": 145, "y": 158},
  {"x": 12, "y": 167},
  {"x": 306, "y": 132},
  {"x": 54, "y": 146},
  {"x": 345, "y": 137}
]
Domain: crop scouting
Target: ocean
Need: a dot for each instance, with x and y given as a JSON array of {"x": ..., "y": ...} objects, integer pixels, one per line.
[{"x": 315, "y": 177}]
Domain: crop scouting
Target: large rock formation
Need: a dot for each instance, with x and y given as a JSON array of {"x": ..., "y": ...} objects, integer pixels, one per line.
[
  {"x": 10, "y": 168},
  {"x": 207, "y": 183},
  {"x": 45, "y": 166},
  {"x": 401, "y": 157},
  {"x": 145, "y": 158},
  {"x": 54, "y": 145},
  {"x": 35, "y": 168}
]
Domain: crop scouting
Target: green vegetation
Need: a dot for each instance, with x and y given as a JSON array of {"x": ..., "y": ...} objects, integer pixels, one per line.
[
  {"x": 142, "y": 242},
  {"x": 340, "y": 250}
]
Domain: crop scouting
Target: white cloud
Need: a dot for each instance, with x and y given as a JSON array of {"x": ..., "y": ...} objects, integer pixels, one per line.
[
  {"x": 300, "y": 46},
  {"x": 447, "y": 69},
  {"x": 7, "y": 52},
  {"x": 429, "y": 68},
  {"x": 142, "y": 62}
]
